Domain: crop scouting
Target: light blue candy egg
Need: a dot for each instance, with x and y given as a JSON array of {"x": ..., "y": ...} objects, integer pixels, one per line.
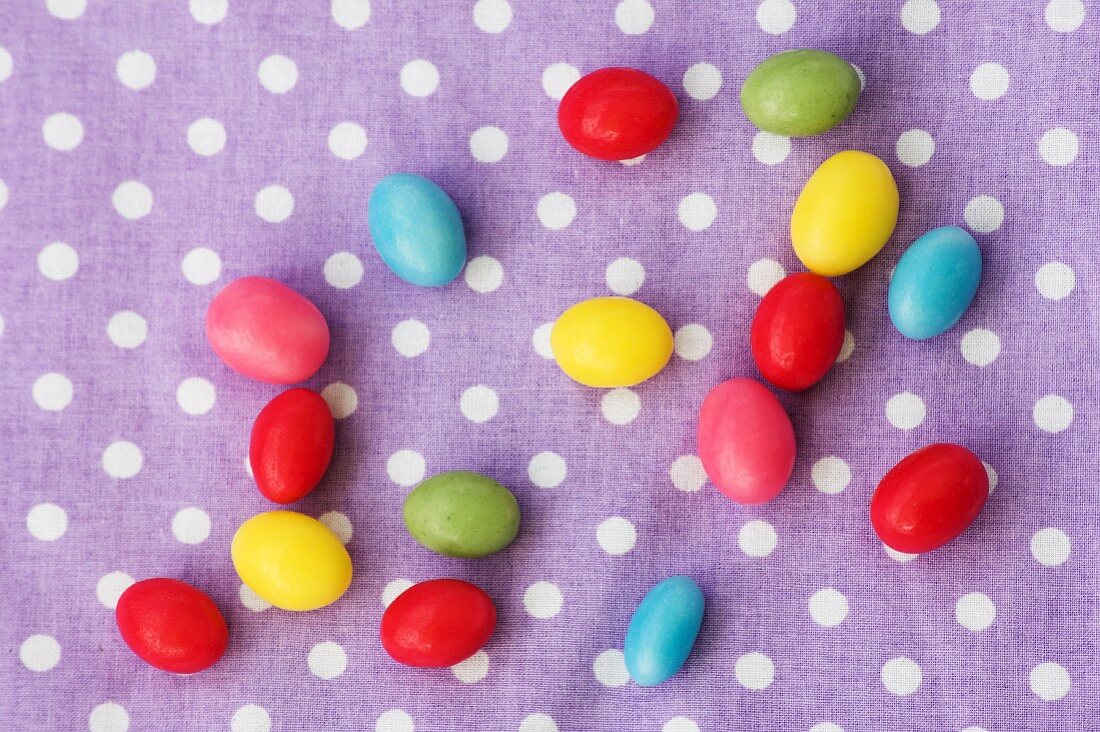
[
  {"x": 934, "y": 282},
  {"x": 417, "y": 230},
  {"x": 663, "y": 630}
]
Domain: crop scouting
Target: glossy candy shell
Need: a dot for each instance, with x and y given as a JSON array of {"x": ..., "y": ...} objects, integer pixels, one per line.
[
  {"x": 663, "y": 630},
  {"x": 800, "y": 92},
  {"x": 171, "y": 625},
  {"x": 935, "y": 282},
  {"x": 461, "y": 514},
  {"x": 291, "y": 446},
  {"x": 437, "y": 623}
]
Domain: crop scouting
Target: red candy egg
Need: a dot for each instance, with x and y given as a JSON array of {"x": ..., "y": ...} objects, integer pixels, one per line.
[
  {"x": 929, "y": 498},
  {"x": 798, "y": 331},
  {"x": 438, "y": 623},
  {"x": 171, "y": 625},
  {"x": 292, "y": 442},
  {"x": 617, "y": 114}
]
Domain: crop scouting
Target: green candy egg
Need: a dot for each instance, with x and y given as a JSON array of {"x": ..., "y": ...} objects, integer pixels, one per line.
[
  {"x": 462, "y": 514},
  {"x": 800, "y": 93}
]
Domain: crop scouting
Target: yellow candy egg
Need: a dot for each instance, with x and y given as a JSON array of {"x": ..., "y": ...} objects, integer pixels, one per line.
[
  {"x": 291, "y": 560},
  {"x": 845, "y": 214},
  {"x": 610, "y": 342}
]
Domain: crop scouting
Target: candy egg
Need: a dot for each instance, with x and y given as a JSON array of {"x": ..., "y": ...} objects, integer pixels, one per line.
[
  {"x": 291, "y": 560},
  {"x": 462, "y": 514},
  {"x": 746, "y": 441},
  {"x": 617, "y": 114},
  {"x": 800, "y": 93},
  {"x": 171, "y": 625},
  {"x": 267, "y": 331},
  {"x": 797, "y": 331},
  {"x": 437, "y": 623},
  {"x": 291, "y": 446},
  {"x": 845, "y": 213},
  {"x": 934, "y": 283},
  {"x": 929, "y": 498},
  {"x": 663, "y": 630},
  {"x": 610, "y": 342},
  {"x": 417, "y": 230}
]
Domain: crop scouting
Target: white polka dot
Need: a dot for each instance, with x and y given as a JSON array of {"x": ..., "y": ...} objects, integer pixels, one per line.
[
  {"x": 419, "y": 78},
  {"x": 347, "y": 140},
  {"x": 112, "y": 717},
  {"x": 274, "y": 204},
  {"x": 62, "y": 131},
  {"x": 338, "y": 524},
  {"x": 540, "y": 340},
  {"x": 122, "y": 459},
  {"x": 195, "y": 395},
  {"x": 250, "y": 718},
  {"x": 343, "y": 270},
  {"x": 538, "y": 722},
  {"x": 831, "y": 475},
  {"x": 975, "y": 611},
  {"x": 351, "y": 14},
  {"x": 47, "y": 522},
  {"x": 769, "y": 148},
  {"x": 557, "y": 78},
  {"x": 342, "y": 399},
  {"x": 52, "y": 392},
  {"x": 201, "y": 266},
  {"x": 209, "y": 12},
  {"x": 980, "y": 347},
  {"x": 473, "y": 669},
  {"x": 489, "y": 144},
  {"x": 1055, "y": 280},
  {"x": 847, "y": 347},
  {"x": 901, "y": 676},
  {"x": 58, "y": 261},
  {"x": 1049, "y": 681},
  {"x": 634, "y": 17},
  {"x": 206, "y": 136},
  {"x": 702, "y": 81},
  {"x": 897, "y": 556},
  {"x": 248, "y": 466},
  {"x": 829, "y": 727},
  {"x": 920, "y": 16},
  {"x": 915, "y": 148},
  {"x": 763, "y": 275},
  {"x": 251, "y": 600},
  {"x": 757, "y": 538},
  {"x": 479, "y": 404},
  {"x": 278, "y": 74},
  {"x": 1052, "y": 413},
  {"x": 905, "y": 411},
  {"x": 6, "y": 65},
  {"x": 394, "y": 720},
  {"x": 66, "y": 9},
  {"x": 40, "y": 653},
  {"x": 991, "y": 475},
  {"x": 862, "y": 77},
  {"x": 406, "y": 467},
  {"x": 556, "y": 210},
  {"x": 492, "y": 16},
  {"x": 1058, "y": 146},
  {"x": 693, "y": 342},
  {"x": 620, "y": 406},
  {"x": 1065, "y": 16},
  {"x": 630, "y": 162},
  {"x": 968, "y": 729},
  {"x": 610, "y": 668},
  {"x": 327, "y": 660},
  {"x": 484, "y": 274},
  {"x": 776, "y": 16},
  {"x": 191, "y": 525},
  {"x": 110, "y": 587},
  {"x": 393, "y": 590},
  {"x": 547, "y": 470},
  {"x": 136, "y": 69},
  {"x": 754, "y": 671},
  {"x": 616, "y": 535},
  {"x": 127, "y": 329},
  {"x": 687, "y": 473},
  {"x": 133, "y": 200},
  {"x": 989, "y": 81},
  {"x": 411, "y": 338},
  {"x": 3, "y": 194},
  {"x": 624, "y": 276},
  {"x": 828, "y": 607},
  {"x": 543, "y": 600},
  {"x": 697, "y": 211},
  {"x": 680, "y": 724},
  {"x": 984, "y": 214},
  {"x": 1050, "y": 547}
]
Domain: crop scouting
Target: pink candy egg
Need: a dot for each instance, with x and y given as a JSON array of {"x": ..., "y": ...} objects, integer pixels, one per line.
[
  {"x": 267, "y": 331},
  {"x": 746, "y": 441}
]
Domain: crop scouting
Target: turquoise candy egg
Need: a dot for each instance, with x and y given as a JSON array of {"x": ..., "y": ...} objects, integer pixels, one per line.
[
  {"x": 663, "y": 630},
  {"x": 934, "y": 282},
  {"x": 417, "y": 230}
]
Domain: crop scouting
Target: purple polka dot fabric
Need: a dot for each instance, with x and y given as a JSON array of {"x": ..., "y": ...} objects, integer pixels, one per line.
[{"x": 153, "y": 152}]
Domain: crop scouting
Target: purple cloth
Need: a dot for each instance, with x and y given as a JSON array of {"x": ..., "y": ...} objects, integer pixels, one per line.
[{"x": 775, "y": 652}]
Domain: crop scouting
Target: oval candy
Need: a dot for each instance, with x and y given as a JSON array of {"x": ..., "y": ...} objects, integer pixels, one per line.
[
  {"x": 663, "y": 630},
  {"x": 929, "y": 498},
  {"x": 437, "y": 623},
  {"x": 746, "y": 441},
  {"x": 171, "y": 625},
  {"x": 291, "y": 445},
  {"x": 291, "y": 560},
  {"x": 935, "y": 282},
  {"x": 611, "y": 342},
  {"x": 800, "y": 93},
  {"x": 265, "y": 330},
  {"x": 617, "y": 114},
  {"x": 845, "y": 213},
  {"x": 798, "y": 331},
  {"x": 461, "y": 514},
  {"x": 417, "y": 230}
]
